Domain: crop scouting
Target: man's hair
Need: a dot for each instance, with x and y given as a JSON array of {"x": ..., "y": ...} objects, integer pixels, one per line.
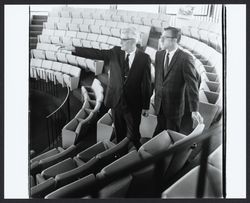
[
  {"x": 131, "y": 32},
  {"x": 176, "y": 32}
]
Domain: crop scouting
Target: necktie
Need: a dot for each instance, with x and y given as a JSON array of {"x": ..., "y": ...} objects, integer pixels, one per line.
[
  {"x": 126, "y": 66},
  {"x": 166, "y": 65}
]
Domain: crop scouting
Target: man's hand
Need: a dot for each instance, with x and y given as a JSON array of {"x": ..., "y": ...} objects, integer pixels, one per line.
[
  {"x": 144, "y": 112},
  {"x": 67, "y": 49},
  {"x": 197, "y": 118}
]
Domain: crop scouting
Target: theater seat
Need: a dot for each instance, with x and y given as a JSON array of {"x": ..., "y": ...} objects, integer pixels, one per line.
[
  {"x": 207, "y": 109},
  {"x": 36, "y": 53},
  {"x": 95, "y": 158},
  {"x": 71, "y": 76},
  {"x": 46, "y": 162},
  {"x": 49, "y": 73},
  {"x": 104, "y": 128},
  {"x": 76, "y": 128},
  {"x": 148, "y": 124},
  {"x": 116, "y": 189},
  {"x": 40, "y": 190},
  {"x": 82, "y": 35},
  {"x": 47, "y": 154},
  {"x": 61, "y": 167},
  {"x": 95, "y": 66},
  {"x": 186, "y": 186},
  {"x": 77, "y": 189},
  {"x": 35, "y": 64},
  {"x": 168, "y": 167}
]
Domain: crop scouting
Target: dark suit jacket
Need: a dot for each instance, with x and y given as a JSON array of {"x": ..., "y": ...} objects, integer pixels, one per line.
[
  {"x": 136, "y": 90},
  {"x": 170, "y": 90}
]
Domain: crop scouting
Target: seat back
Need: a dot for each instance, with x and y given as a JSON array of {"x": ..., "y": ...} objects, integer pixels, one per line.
[
  {"x": 42, "y": 189},
  {"x": 113, "y": 153},
  {"x": 180, "y": 158},
  {"x": 76, "y": 189},
  {"x": 104, "y": 128}
]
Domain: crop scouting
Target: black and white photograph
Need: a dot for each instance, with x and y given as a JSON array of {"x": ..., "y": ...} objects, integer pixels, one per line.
[{"x": 126, "y": 101}]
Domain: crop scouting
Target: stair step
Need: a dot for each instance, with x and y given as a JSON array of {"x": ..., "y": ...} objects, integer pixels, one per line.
[
  {"x": 35, "y": 33},
  {"x": 39, "y": 17},
  {"x": 33, "y": 39},
  {"x": 37, "y": 22},
  {"x": 36, "y": 27},
  {"x": 32, "y": 45}
]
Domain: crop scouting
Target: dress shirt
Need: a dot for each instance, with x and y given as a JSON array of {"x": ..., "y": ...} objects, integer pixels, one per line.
[
  {"x": 171, "y": 54},
  {"x": 131, "y": 57}
]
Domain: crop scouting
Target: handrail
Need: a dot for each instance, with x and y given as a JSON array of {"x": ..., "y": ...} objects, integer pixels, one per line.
[{"x": 66, "y": 98}]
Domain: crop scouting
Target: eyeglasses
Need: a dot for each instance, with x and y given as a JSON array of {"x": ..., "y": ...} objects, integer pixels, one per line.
[
  {"x": 123, "y": 39},
  {"x": 167, "y": 37}
]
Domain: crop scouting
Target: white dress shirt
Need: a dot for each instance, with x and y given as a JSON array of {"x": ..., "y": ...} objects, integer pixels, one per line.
[
  {"x": 171, "y": 54},
  {"x": 130, "y": 58}
]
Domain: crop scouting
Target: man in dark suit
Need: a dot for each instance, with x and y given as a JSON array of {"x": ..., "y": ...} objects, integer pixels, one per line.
[
  {"x": 129, "y": 86},
  {"x": 174, "y": 74}
]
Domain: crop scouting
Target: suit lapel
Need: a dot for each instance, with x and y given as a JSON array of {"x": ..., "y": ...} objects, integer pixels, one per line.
[
  {"x": 162, "y": 63},
  {"x": 121, "y": 62},
  {"x": 135, "y": 59},
  {"x": 172, "y": 62},
  {"x": 133, "y": 64}
]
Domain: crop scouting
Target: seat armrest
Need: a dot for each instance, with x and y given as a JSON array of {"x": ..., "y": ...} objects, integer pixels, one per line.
[
  {"x": 92, "y": 151},
  {"x": 76, "y": 189},
  {"x": 39, "y": 191}
]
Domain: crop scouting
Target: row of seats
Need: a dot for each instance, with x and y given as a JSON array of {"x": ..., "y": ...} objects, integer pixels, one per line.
[
  {"x": 99, "y": 13},
  {"x": 91, "y": 160},
  {"x": 51, "y": 157},
  {"x": 133, "y": 184},
  {"x": 207, "y": 32},
  {"x": 50, "y": 52},
  {"x": 77, "y": 128},
  {"x": 64, "y": 74},
  {"x": 140, "y": 18},
  {"x": 73, "y": 38},
  {"x": 92, "y": 96},
  {"x": 100, "y": 163},
  {"x": 206, "y": 53},
  {"x": 106, "y": 28}
]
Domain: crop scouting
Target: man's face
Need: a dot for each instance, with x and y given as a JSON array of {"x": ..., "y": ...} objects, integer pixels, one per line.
[
  {"x": 167, "y": 40},
  {"x": 127, "y": 44}
]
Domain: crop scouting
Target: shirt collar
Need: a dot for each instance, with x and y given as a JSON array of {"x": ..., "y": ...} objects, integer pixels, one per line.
[
  {"x": 172, "y": 52},
  {"x": 132, "y": 53}
]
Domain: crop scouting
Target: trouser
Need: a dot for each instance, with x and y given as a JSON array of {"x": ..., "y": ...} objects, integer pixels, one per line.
[
  {"x": 126, "y": 122},
  {"x": 164, "y": 122}
]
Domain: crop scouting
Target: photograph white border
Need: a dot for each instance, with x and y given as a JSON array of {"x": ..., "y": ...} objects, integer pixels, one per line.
[{"x": 16, "y": 101}]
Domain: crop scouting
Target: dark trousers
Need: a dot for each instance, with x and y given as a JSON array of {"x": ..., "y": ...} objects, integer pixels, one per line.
[
  {"x": 164, "y": 123},
  {"x": 126, "y": 122}
]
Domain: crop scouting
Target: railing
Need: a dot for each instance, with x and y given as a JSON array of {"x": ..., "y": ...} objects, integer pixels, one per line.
[
  {"x": 56, "y": 120},
  {"x": 60, "y": 116},
  {"x": 48, "y": 87}
]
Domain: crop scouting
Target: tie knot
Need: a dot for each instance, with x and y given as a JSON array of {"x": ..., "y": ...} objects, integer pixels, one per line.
[{"x": 127, "y": 56}]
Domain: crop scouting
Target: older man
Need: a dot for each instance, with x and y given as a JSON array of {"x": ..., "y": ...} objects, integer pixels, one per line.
[
  {"x": 129, "y": 87},
  {"x": 175, "y": 74}
]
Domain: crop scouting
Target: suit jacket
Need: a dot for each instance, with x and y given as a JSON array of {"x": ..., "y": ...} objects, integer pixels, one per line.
[
  {"x": 180, "y": 77},
  {"x": 136, "y": 90}
]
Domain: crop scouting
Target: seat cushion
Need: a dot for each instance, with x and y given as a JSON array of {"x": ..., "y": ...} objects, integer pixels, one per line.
[
  {"x": 158, "y": 143},
  {"x": 116, "y": 189}
]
